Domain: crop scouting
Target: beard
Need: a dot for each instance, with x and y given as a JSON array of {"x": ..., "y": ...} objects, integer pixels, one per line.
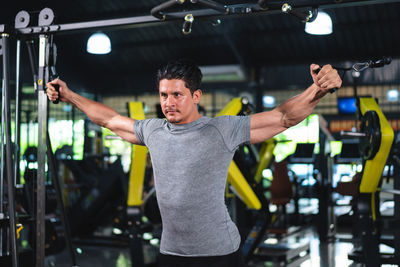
[{"x": 173, "y": 119}]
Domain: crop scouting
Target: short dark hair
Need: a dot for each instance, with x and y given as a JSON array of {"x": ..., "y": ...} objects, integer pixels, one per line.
[{"x": 182, "y": 69}]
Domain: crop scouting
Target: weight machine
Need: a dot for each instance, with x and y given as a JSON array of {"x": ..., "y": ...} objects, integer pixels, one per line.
[
  {"x": 44, "y": 31},
  {"x": 376, "y": 139}
]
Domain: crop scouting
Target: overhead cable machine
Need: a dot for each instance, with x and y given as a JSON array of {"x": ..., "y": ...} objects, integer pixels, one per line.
[
  {"x": 44, "y": 30},
  {"x": 41, "y": 75}
]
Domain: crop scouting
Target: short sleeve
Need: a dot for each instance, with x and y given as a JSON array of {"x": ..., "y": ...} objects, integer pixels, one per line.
[
  {"x": 138, "y": 129},
  {"x": 235, "y": 130},
  {"x": 144, "y": 128}
]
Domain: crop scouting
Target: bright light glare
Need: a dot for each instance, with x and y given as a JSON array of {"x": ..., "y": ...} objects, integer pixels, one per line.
[
  {"x": 322, "y": 25},
  {"x": 393, "y": 95},
  {"x": 98, "y": 43},
  {"x": 267, "y": 173},
  {"x": 117, "y": 231},
  {"x": 271, "y": 241},
  {"x": 155, "y": 241},
  {"x": 268, "y": 101},
  {"x": 147, "y": 236}
]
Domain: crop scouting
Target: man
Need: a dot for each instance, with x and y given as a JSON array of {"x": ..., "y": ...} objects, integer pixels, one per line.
[{"x": 191, "y": 156}]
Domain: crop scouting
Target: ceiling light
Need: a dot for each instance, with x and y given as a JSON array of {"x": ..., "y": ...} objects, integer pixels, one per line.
[
  {"x": 222, "y": 73},
  {"x": 322, "y": 25},
  {"x": 393, "y": 95},
  {"x": 98, "y": 43},
  {"x": 268, "y": 101}
]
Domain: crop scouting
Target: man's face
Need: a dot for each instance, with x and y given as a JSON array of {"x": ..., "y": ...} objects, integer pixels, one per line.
[{"x": 178, "y": 104}]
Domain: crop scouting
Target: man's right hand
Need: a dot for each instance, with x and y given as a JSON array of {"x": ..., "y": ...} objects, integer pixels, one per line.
[{"x": 62, "y": 94}]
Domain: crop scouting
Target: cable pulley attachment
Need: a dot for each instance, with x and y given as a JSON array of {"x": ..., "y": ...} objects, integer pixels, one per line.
[
  {"x": 360, "y": 66},
  {"x": 187, "y": 24},
  {"x": 160, "y": 11},
  {"x": 22, "y": 19},
  {"x": 46, "y": 17},
  {"x": 304, "y": 17}
]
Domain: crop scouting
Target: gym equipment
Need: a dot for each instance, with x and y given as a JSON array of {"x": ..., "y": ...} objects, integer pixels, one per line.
[
  {"x": 284, "y": 251},
  {"x": 252, "y": 199},
  {"x": 304, "y": 17},
  {"x": 100, "y": 191},
  {"x": 102, "y": 188},
  {"x": 281, "y": 190},
  {"x": 189, "y": 18},
  {"x": 303, "y": 154},
  {"x": 326, "y": 221},
  {"x": 158, "y": 10},
  {"x": 134, "y": 200},
  {"x": 375, "y": 144},
  {"x": 235, "y": 177},
  {"x": 42, "y": 74},
  {"x": 252, "y": 194},
  {"x": 139, "y": 154},
  {"x": 360, "y": 66}
]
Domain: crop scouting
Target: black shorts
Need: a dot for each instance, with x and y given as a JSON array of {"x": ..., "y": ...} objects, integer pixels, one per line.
[{"x": 234, "y": 259}]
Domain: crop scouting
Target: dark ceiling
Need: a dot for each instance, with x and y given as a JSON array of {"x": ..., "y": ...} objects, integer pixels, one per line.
[{"x": 259, "y": 40}]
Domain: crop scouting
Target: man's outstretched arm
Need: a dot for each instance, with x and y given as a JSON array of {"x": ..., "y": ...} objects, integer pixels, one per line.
[
  {"x": 97, "y": 112},
  {"x": 267, "y": 124}
]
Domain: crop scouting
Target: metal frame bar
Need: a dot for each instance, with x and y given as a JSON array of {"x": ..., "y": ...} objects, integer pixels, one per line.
[
  {"x": 40, "y": 81},
  {"x": 396, "y": 186},
  {"x": 17, "y": 138},
  {"x": 41, "y": 156},
  {"x": 9, "y": 164},
  {"x": 158, "y": 10},
  {"x": 141, "y": 21},
  {"x": 2, "y": 163}
]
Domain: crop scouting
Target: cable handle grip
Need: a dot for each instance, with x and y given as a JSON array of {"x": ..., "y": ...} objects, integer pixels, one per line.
[
  {"x": 57, "y": 87},
  {"x": 330, "y": 90}
]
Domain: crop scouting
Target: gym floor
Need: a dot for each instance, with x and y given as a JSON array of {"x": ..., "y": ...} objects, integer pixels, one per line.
[{"x": 324, "y": 255}]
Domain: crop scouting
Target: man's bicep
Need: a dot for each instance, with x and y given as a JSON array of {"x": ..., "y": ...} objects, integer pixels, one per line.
[
  {"x": 124, "y": 127},
  {"x": 265, "y": 125}
]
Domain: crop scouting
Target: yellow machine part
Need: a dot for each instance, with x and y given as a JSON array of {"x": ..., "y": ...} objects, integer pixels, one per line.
[
  {"x": 237, "y": 180},
  {"x": 138, "y": 163},
  {"x": 265, "y": 156},
  {"x": 19, "y": 229},
  {"x": 235, "y": 176},
  {"x": 373, "y": 168},
  {"x": 232, "y": 108}
]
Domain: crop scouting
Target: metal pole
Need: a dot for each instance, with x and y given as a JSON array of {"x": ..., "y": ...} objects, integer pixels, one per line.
[
  {"x": 396, "y": 186},
  {"x": 2, "y": 168},
  {"x": 41, "y": 157},
  {"x": 17, "y": 140},
  {"x": 10, "y": 176},
  {"x": 56, "y": 183},
  {"x": 73, "y": 127}
]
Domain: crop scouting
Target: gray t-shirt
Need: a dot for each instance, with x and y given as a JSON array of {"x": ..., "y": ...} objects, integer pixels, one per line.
[{"x": 190, "y": 164}]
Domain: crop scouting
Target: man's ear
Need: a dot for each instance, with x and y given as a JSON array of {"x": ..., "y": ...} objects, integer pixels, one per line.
[{"x": 196, "y": 96}]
